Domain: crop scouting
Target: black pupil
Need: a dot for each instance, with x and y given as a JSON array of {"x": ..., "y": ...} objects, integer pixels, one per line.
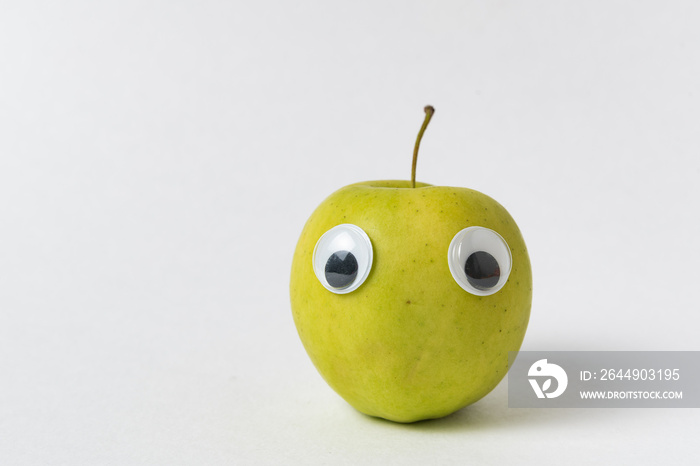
[
  {"x": 482, "y": 270},
  {"x": 341, "y": 269}
]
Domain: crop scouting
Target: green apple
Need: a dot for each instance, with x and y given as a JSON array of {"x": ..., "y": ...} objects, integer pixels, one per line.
[{"x": 408, "y": 297}]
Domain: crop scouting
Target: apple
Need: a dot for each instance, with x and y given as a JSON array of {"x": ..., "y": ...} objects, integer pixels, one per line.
[{"x": 408, "y": 297}]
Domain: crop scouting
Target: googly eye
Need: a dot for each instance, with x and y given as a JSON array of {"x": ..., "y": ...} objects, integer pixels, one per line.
[
  {"x": 343, "y": 258},
  {"x": 479, "y": 260}
]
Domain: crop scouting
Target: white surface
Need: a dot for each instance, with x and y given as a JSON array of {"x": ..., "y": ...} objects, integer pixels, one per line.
[{"x": 159, "y": 159}]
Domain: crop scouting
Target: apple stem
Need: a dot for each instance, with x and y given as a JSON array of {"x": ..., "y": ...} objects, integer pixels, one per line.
[{"x": 429, "y": 110}]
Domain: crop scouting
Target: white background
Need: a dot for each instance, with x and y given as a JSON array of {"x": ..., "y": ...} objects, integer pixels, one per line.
[{"x": 158, "y": 161}]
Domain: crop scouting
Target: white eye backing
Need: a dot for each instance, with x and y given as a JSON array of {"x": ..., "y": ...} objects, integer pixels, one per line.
[
  {"x": 479, "y": 260},
  {"x": 342, "y": 258}
]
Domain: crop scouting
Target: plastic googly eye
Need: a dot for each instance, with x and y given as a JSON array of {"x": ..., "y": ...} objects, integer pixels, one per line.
[
  {"x": 342, "y": 258},
  {"x": 479, "y": 260}
]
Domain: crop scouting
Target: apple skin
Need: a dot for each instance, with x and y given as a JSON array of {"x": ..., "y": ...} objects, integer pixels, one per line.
[{"x": 410, "y": 344}]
